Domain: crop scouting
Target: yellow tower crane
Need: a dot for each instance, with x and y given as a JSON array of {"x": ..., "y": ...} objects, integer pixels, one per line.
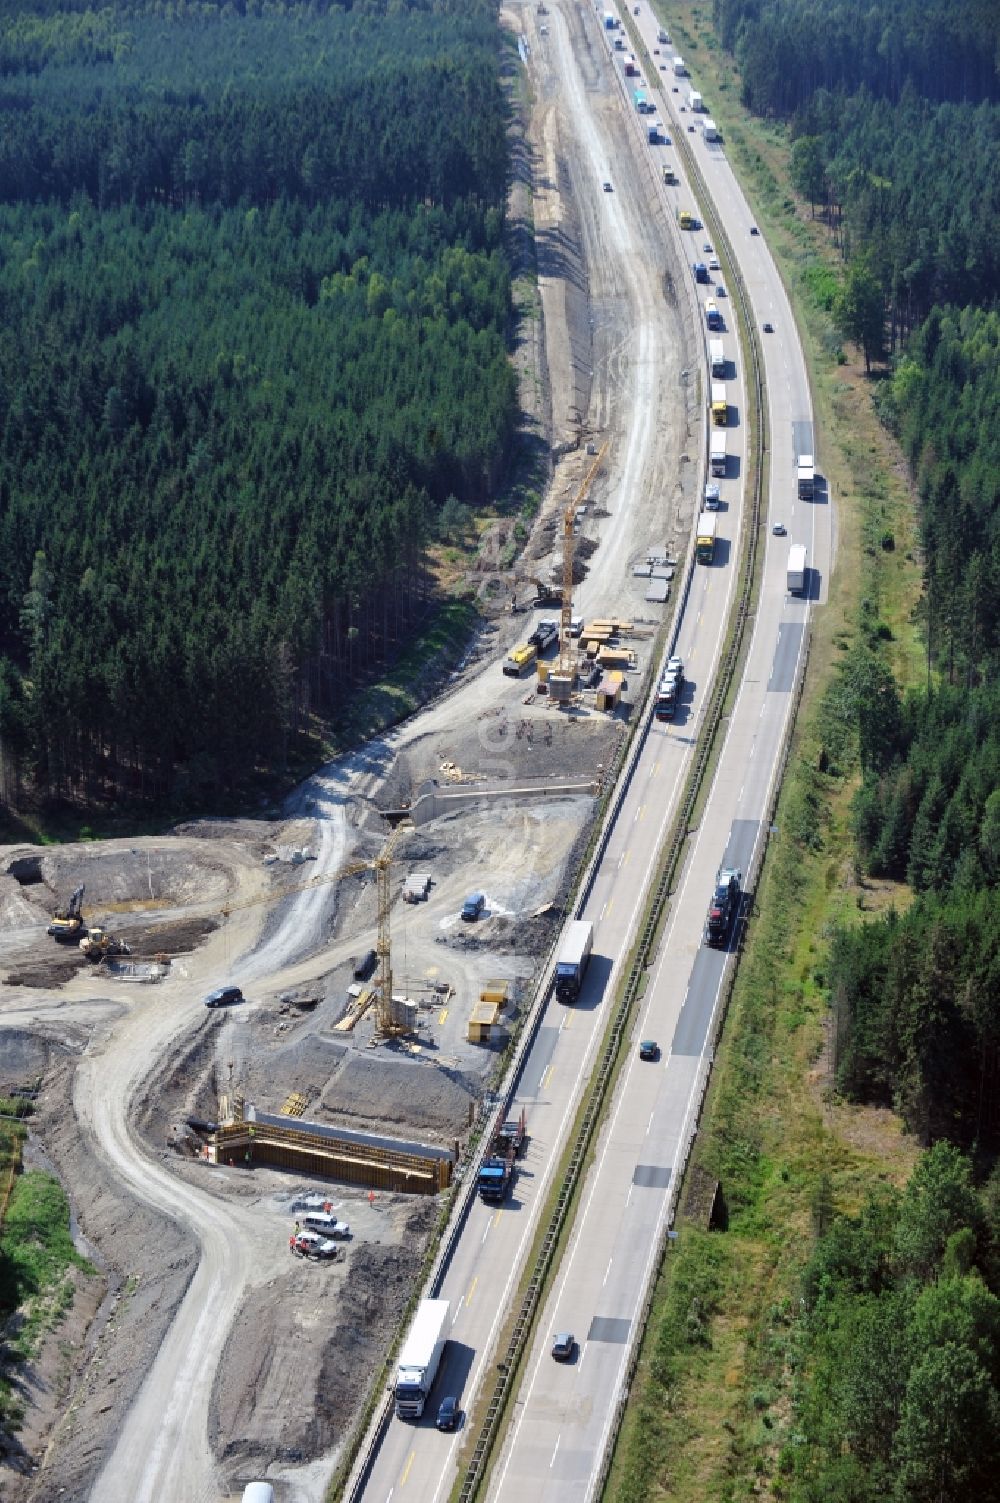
[
  {"x": 565, "y": 677},
  {"x": 382, "y": 866}
]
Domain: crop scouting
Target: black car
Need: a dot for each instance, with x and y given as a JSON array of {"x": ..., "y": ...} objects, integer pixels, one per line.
[
  {"x": 224, "y": 996},
  {"x": 724, "y": 905},
  {"x": 448, "y": 1413},
  {"x": 768, "y": 328},
  {"x": 473, "y": 907},
  {"x": 366, "y": 966},
  {"x": 564, "y": 1346},
  {"x": 649, "y": 1049}
]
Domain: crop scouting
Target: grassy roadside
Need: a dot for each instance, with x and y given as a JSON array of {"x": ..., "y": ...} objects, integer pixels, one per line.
[
  {"x": 36, "y": 1258},
  {"x": 710, "y": 1413}
]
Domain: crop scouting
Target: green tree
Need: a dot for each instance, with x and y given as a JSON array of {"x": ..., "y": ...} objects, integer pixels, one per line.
[
  {"x": 859, "y": 309},
  {"x": 808, "y": 170}
]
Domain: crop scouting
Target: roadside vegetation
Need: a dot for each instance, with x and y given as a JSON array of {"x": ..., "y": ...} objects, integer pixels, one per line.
[
  {"x": 835, "y": 1335},
  {"x": 36, "y": 1257},
  {"x": 255, "y": 365}
]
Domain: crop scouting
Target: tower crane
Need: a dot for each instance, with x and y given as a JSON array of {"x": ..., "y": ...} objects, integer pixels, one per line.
[
  {"x": 382, "y": 867},
  {"x": 566, "y": 673}
]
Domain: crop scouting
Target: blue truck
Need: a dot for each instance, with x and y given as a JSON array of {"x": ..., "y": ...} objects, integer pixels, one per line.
[{"x": 496, "y": 1172}]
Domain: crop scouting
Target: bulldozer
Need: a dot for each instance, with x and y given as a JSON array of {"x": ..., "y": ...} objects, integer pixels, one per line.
[
  {"x": 98, "y": 944},
  {"x": 67, "y": 923}
]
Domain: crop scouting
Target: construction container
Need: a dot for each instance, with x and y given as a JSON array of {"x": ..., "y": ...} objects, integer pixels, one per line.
[
  {"x": 615, "y": 657},
  {"x": 609, "y": 691},
  {"x": 416, "y": 887},
  {"x": 496, "y": 992},
  {"x": 483, "y": 1022}
]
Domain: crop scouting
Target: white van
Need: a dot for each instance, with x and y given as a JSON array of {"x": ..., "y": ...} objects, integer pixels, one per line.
[{"x": 325, "y": 1224}]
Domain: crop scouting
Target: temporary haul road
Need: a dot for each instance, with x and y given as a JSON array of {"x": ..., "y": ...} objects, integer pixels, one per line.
[{"x": 564, "y": 1412}]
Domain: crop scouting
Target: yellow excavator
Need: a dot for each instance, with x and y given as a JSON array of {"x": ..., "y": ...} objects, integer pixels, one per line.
[
  {"x": 98, "y": 944},
  {"x": 67, "y": 924}
]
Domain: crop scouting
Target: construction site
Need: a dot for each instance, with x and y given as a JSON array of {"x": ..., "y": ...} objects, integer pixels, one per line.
[{"x": 385, "y": 930}]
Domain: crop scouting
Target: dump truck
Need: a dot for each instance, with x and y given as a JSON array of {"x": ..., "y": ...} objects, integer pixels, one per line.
[
  {"x": 806, "y": 469},
  {"x": 420, "y": 1358},
  {"x": 704, "y": 547},
  {"x": 796, "y": 569},
  {"x": 67, "y": 924},
  {"x": 720, "y": 404},
  {"x": 717, "y": 453},
  {"x": 717, "y": 358},
  {"x": 571, "y": 964},
  {"x": 520, "y": 660}
]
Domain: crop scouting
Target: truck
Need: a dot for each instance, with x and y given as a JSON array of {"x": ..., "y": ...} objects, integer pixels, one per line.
[
  {"x": 669, "y": 175},
  {"x": 718, "y": 458},
  {"x": 631, "y": 68},
  {"x": 723, "y": 906},
  {"x": 496, "y": 1172},
  {"x": 796, "y": 569},
  {"x": 709, "y": 129},
  {"x": 717, "y": 357},
  {"x": 571, "y": 962},
  {"x": 687, "y": 220},
  {"x": 610, "y": 20},
  {"x": 700, "y": 271},
  {"x": 669, "y": 689},
  {"x": 720, "y": 404},
  {"x": 806, "y": 477},
  {"x": 420, "y": 1358},
  {"x": 704, "y": 548},
  {"x": 642, "y": 103},
  {"x": 713, "y": 317},
  {"x": 680, "y": 67},
  {"x": 662, "y": 36},
  {"x": 543, "y": 636},
  {"x": 653, "y": 132},
  {"x": 712, "y": 496},
  {"x": 696, "y": 102},
  {"x": 520, "y": 660}
]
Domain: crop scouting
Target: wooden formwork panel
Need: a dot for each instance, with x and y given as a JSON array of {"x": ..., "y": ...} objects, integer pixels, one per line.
[{"x": 299, "y": 1152}]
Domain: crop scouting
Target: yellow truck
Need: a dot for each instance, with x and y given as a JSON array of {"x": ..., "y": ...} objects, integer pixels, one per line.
[
  {"x": 520, "y": 660},
  {"x": 720, "y": 404},
  {"x": 687, "y": 220}
]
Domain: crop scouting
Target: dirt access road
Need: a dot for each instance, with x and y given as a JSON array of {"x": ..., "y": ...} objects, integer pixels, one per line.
[{"x": 616, "y": 340}]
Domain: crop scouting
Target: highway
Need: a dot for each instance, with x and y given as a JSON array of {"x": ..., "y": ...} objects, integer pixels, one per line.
[
  {"x": 415, "y": 1462},
  {"x": 565, "y": 1413}
]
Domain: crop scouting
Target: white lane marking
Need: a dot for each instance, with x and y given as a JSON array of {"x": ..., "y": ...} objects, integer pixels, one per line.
[
  {"x": 607, "y": 1271},
  {"x": 555, "y": 1452}
]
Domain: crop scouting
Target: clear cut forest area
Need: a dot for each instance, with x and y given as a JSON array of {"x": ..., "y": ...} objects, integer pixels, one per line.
[{"x": 256, "y": 308}]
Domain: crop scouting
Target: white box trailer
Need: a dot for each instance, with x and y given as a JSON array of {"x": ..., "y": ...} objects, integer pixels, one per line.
[
  {"x": 696, "y": 102},
  {"x": 710, "y": 130},
  {"x": 806, "y": 477},
  {"x": 680, "y": 67},
  {"x": 717, "y": 357},
  {"x": 717, "y": 452},
  {"x": 571, "y": 962},
  {"x": 420, "y": 1357},
  {"x": 796, "y": 569}
]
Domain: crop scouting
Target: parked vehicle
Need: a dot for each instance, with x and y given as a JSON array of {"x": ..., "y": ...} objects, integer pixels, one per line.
[
  {"x": 326, "y": 1225},
  {"x": 312, "y": 1245},
  {"x": 224, "y": 996},
  {"x": 473, "y": 907}
]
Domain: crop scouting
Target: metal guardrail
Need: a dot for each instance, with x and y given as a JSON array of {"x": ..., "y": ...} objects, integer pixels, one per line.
[{"x": 600, "y": 1081}]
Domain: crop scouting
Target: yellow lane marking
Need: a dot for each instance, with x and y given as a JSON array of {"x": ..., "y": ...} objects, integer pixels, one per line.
[
  {"x": 406, "y": 1469},
  {"x": 472, "y": 1286},
  {"x": 442, "y": 1014}
]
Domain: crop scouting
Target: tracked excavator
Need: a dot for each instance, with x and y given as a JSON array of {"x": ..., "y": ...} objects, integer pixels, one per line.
[{"x": 67, "y": 924}]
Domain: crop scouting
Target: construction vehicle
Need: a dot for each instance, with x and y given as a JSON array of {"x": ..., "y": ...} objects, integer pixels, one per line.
[
  {"x": 562, "y": 680},
  {"x": 496, "y": 1172},
  {"x": 420, "y": 1358},
  {"x": 520, "y": 660},
  {"x": 98, "y": 944},
  {"x": 67, "y": 923},
  {"x": 571, "y": 963}
]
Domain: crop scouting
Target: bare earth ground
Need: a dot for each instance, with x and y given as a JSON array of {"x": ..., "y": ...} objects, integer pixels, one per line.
[{"x": 285, "y": 1347}]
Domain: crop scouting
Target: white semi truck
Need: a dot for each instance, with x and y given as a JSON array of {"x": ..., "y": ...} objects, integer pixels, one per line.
[
  {"x": 796, "y": 569},
  {"x": 709, "y": 129},
  {"x": 806, "y": 469},
  {"x": 717, "y": 357},
  {"x": 571, "y": 962},
  {"x": 717, "y": 452},
  {"x": 420, "y": 1358}
]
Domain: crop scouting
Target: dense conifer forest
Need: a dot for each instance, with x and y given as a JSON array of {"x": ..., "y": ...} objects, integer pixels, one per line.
[
  {"x": 255, "y": 305},
  {"x": 895, "y": 124}
]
